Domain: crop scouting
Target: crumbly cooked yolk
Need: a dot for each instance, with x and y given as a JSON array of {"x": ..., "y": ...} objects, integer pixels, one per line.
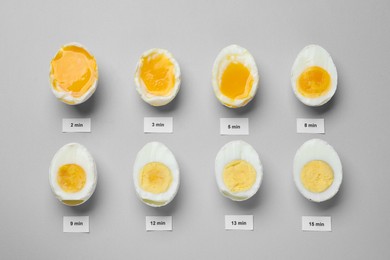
[
  {"x": 236, "y": 81},
  {"x": 73, "y": 70},
  {"x": 71, "y": 178},
  {"x": 239, "y": 175},
  {"x": 158, "y": 74},
  {"x": 317, "y": 176},
  {"x": 155, "y": 177},
  {"x": 314, "y": 82}
]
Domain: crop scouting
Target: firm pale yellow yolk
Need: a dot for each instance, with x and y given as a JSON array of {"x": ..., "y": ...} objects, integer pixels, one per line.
[
  {"x": 236, "y": 81},
  {"x": 73, "y": 70},
  {"x": 314, "y": 82},
  {"x": 239, "y": 175},
  {"x": 317, "y": 176},
  {"x": 155, "y": 177},
  {"x": 158, "y": 74},
  {"x": 71, "y": 178}
]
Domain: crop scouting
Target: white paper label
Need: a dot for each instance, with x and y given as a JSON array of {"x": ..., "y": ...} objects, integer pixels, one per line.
[
  {"x": 239, "y": 222},
  {"x": 158, "y": 125},
  {"x": 316, "y": 223},
  {"x": 76, "y": 224},
  {"x": 158, "y": 223},
  {"x": 310, "y": 126},
  {"x": 234, "y": 126},
  {"x": 76, "y": 125}
]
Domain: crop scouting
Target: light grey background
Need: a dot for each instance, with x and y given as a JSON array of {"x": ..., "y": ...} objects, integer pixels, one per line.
[{"x": 356, "y": 33}]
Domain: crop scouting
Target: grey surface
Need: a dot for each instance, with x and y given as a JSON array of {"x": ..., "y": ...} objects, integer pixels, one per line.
[{"x": 357, "y": 35}]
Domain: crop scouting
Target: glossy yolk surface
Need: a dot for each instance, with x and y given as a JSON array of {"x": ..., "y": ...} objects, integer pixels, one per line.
[
  {"x": 155, "y": 177},
  {"x": 158, "y": 74},
  {"x": 73, "y": 70},
  {"x": 71, "y": 178},
  {"x": 314, "y": 82},
  {"x": 236, "y": 81},
  {"x": 239, "y": 175},
  {"x": 317, "y": 176}
]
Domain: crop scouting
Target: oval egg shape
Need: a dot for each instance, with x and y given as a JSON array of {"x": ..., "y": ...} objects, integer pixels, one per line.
[
  {"x": 314, "y": 76},
  {"x": 317, "y": 170},
  {"x": 156, "y": 175},
  {"x": 73, "y": 174},
  {"x": 238, "y": 171}
]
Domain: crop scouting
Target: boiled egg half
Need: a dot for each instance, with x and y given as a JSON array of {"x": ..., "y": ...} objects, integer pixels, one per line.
[
  {"x": 73, "y": 174},
  {"x": 156, "y": 175},
  {"x": 235, "y": 77},
  {"x": 314, "y": 76},
  {"x": 317, "y": 170},
  {"x": 73, "y": 74},
  {"x": 157, "y": 77},
  {"x": 238, "y": 170}
]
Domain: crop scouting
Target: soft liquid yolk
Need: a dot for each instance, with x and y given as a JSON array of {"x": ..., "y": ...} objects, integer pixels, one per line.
[
  {"x": 73, "y": 70},
  {"x": 236, "y": 81},
  {"x": 158, "y": 74},
  {"x": 71, "y": 178},
  {"x": 314, "y": 82},
  {"x": 239, "y": 175},
  {"x": 317, "y": 176},
  {"x": 155, "y": 177}
]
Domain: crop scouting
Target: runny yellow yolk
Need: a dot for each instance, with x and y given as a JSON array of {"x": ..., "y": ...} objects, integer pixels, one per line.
[
  {"x": 71, "y": 178},
  {"x": 317, "y": 176},
  {"x": 158, "y": 74},
  {"x": 236, "y": 81},
  {"x": 155, "y": 177},
  {"x": 73, "y": 70},
  {"x": 314, "y": 82},
  {"x": 239, "y": 175}
]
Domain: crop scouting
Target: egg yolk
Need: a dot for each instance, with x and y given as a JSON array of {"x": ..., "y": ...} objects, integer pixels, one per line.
[
  {"x": 155, "y": 177},
  {"x": 239, "y": 175},
  {"x": 236, "y": 81},
  {"x": 73, "y": 70},
  {"x": 317, "y": 176},
  {"x": 158, "y": 74},
  {"x": 71, "y": 178},
  {"x": 314, "y": 82}
]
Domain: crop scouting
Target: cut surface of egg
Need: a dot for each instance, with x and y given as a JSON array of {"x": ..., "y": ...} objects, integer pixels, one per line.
[
  {"x": 235, "y": 77},
  {"x": 73, "y": 174},
  {"x": 73, "y": 74},
  {"x": 238, "y": 170},
  {"x": 157, "y": 77},
  {"x": 156, "y": 175},
  {"x": 314, "y": 76},
  {"x": 317, "y": 170}
]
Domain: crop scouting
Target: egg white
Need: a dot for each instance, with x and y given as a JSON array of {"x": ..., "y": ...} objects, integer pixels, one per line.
[
  {"x": 156, "y": 152},
  {"x": 314, "y": 55},
  {"x": 66, "y": 96},
  {"x": 237, "y": 150},
  {"x": 149, "y": 98},
  {"x": 317, "y": 149},
  {"x": 73, "y": 153},
  {"x": 225, "y": 57}
]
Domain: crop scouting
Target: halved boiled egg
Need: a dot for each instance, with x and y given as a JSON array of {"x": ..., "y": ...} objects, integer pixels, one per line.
[
  {"x": 157, "y": 77},
  {"x": 73, "y": 74},
  {"x": 235, "y": 76},
  {"x": 318, "y": 171},
  {"x": 314, "y": 76},
  {"x": 156, "y": 175},
  {"x": 73, "y": 174},
  {"x": 238, "y": 170}
]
